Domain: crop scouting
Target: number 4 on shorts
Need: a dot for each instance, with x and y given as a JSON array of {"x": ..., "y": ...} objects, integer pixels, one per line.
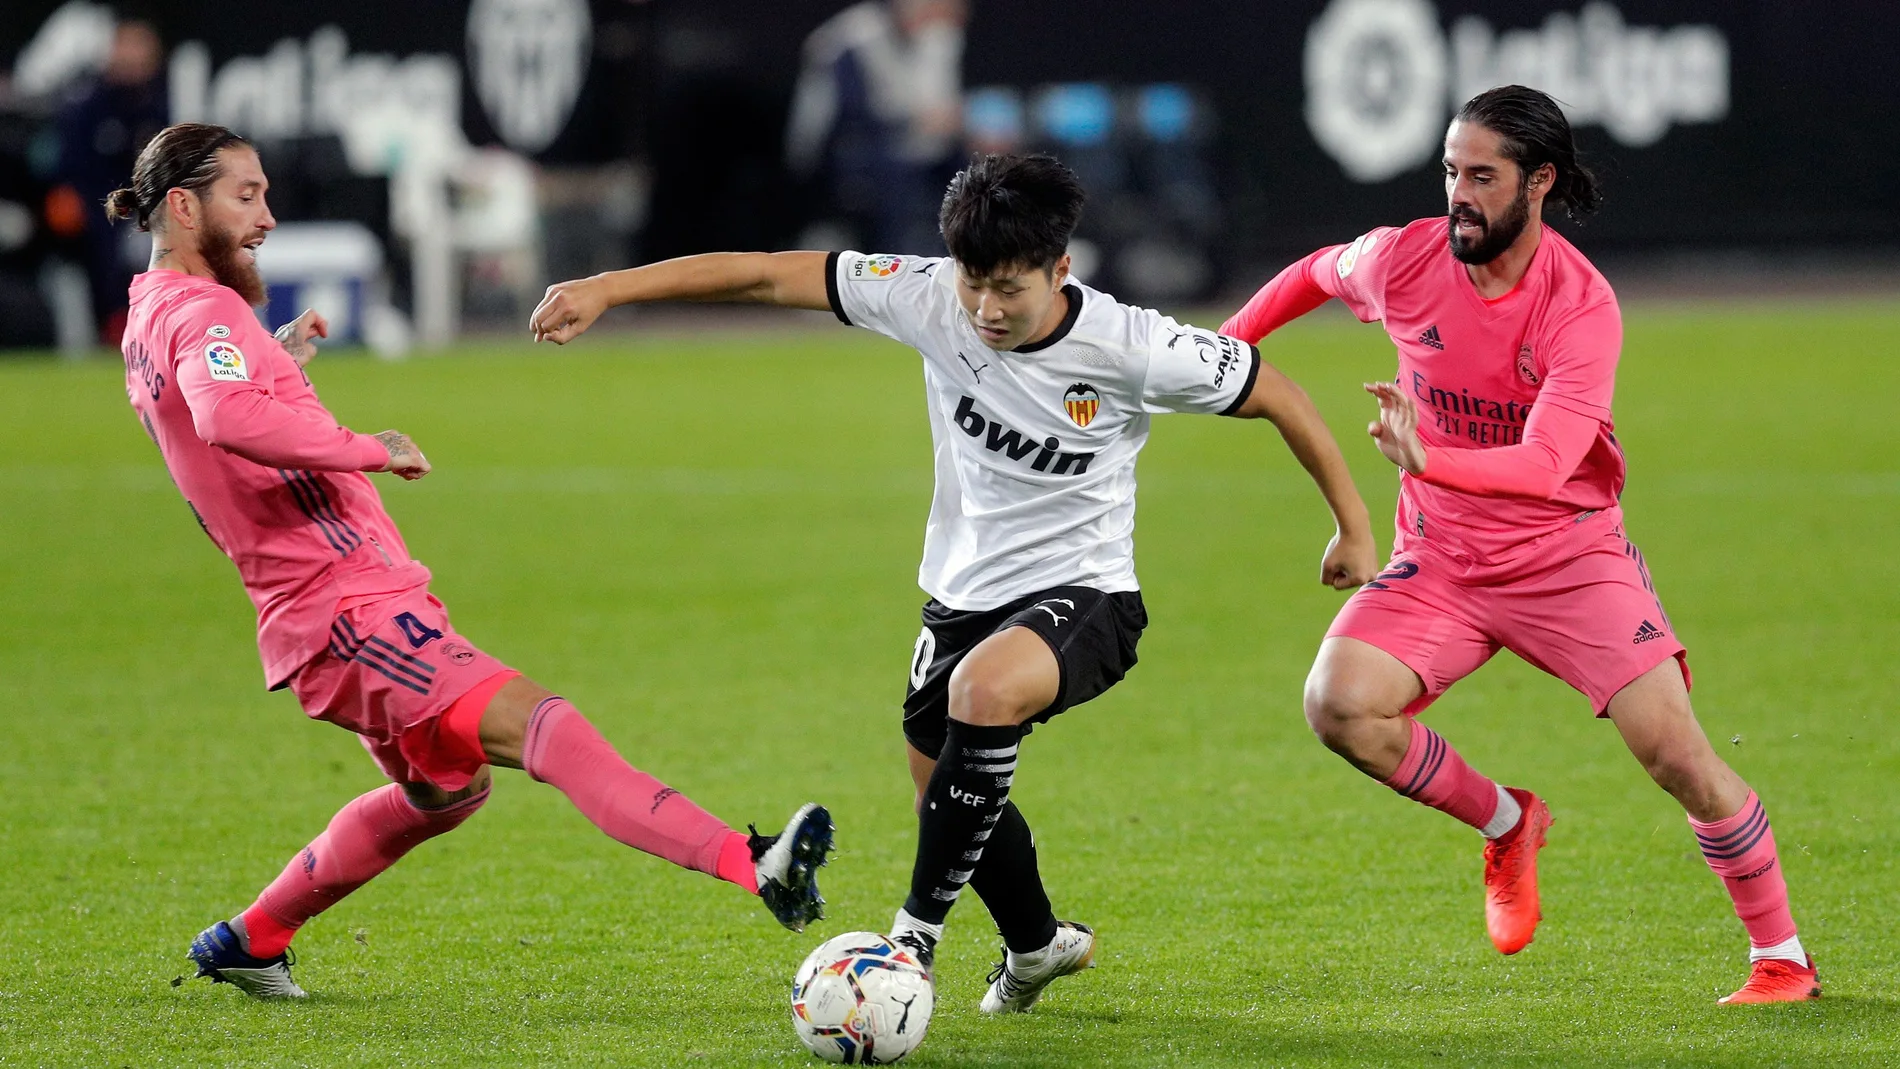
[{"x": 418, "y": 633}]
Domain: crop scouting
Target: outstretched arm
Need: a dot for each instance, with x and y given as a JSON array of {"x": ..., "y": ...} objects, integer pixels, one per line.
[
  {"x": 1289, "y": 295},
  {"x": 787, "y": 279},
  {"x": 1556, "y": 440},
  {"x": 1351, "y": 557}
]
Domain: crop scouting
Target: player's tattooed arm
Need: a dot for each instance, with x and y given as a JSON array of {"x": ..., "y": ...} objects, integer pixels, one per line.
[
  {"x": 404, "y": 458},
  {"x": 787, "y": 279},
  {"x": 1351, "y": 558},
  {"x": 297, "y": 336}
]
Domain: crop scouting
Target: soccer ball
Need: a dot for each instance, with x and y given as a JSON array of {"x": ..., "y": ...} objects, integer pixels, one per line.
[{"x": 860, "y": 999}]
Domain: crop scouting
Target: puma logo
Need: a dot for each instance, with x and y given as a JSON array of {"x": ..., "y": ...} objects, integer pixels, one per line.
[
  {"x": 659, "y": 796},
  {"x": 1053, "y": 615},
  {"x": 904, "y": 1021},
  {"x": 974, "y": 370}
]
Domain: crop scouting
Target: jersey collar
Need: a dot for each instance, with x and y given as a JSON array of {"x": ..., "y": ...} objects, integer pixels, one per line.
[{"x": 1074, "y": 294}]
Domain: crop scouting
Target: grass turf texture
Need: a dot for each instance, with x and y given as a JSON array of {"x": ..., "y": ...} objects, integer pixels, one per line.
[{"x": 709, "y": 544}]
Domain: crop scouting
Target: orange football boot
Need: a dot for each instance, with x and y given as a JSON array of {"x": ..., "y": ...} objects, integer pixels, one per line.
[
  {"x": 1778, "y": 980},
  {"x": 1511, "y": 912}
]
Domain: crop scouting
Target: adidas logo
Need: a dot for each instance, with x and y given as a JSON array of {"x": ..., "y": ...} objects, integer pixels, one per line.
[
  {"x": 1646, "y": 632},
  {"x": 1431, "y": 338}
]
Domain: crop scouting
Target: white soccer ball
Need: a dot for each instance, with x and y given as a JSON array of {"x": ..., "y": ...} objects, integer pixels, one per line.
[{"x": 860, "y": 999}]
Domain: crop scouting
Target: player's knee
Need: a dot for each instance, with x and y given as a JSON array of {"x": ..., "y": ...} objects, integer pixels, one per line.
[
  {"x": 1334, "y": 710},
  {"x": 988, "y": 698},
  {"x": 427, "y": 796}
]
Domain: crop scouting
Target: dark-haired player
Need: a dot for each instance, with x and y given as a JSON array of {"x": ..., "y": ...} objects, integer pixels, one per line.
[
  {"x": 1040, "y": 391},
  {"x": 344, "y": 616},
  {"x": 1509, "y": 531}
]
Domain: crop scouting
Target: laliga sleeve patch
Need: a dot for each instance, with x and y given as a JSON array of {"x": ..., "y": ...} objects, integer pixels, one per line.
[
  {"x": 1350, "y": 258},
  {"x": 226, "y": 362},
  {"x": 880, "y": 268}
]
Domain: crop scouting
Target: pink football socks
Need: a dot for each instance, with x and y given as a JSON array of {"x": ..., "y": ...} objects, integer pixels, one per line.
[
  {"x": 1741, "y": 850},
  {"x": 564, "y": 750},
  {"x": 365, "y": 837},
  {"x": 1433, "y": 773}
]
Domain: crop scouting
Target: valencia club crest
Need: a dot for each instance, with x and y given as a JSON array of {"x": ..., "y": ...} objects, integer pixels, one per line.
[{"x": 1082, "y": 402}]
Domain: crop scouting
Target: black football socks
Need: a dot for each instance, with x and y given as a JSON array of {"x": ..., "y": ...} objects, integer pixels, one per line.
[
  {"x": 963, "y": 802},
  {"x": 1011, "y": 885}
]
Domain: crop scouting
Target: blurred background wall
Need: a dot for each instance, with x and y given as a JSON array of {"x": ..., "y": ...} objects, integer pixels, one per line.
[{"x": 437, "y": 162}]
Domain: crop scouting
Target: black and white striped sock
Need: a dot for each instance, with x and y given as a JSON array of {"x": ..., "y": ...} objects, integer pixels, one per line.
[{"x": 962, "y": 804}]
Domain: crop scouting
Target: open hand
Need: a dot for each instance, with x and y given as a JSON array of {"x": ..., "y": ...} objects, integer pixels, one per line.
[
  {"x": 404, "y": 458},
  {"x": 567, "y": 310},
  {"x": 295, "y": 335},
  {"x": 1396, "y": 429}
]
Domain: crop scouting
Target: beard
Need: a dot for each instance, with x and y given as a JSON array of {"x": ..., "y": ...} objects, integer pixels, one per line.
[
  {"x": 1493, "y": 238},
  {"x": 231, "y": 265}
]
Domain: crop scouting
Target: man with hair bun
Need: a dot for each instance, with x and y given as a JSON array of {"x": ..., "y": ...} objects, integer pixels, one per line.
[
  {"x": 1040, "y": 392},
  {"x": 344, "y": 616},
  {"x": 1510, "y": 535}
]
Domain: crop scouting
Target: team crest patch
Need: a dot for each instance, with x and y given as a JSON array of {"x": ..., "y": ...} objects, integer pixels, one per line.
[
  {"x": 1527, "y": 368},
  {"x": 878, "y": 268},
  {"x": 1082, "y": 402},
  {"x": 218, "y": 331},
  {"x": 226, "y": 362}
]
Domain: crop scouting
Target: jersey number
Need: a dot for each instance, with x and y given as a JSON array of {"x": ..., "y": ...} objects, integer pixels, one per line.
[
  {"x": 1404, "y": 569},
  {"x": 922, "y": 658},
  {"x": 418, "y": 633}
]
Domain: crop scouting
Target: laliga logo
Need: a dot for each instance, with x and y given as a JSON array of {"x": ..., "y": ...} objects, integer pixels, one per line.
[{"x": 1381, "y": 78}]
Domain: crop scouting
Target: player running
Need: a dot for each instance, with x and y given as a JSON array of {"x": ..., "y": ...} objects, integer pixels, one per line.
[
  {"x": 1040, "y": 392},
  {"x": 345, "y": 617},
  {"x": 1509, "y": 532}
]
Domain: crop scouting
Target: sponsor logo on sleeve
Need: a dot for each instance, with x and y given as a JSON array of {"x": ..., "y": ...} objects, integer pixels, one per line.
[
  {"x": 218, "y": 331},
  {"x": 226, "y": 362},
  {"x": 1082, "y": 402},
  {"x": 879, "y": 268}
]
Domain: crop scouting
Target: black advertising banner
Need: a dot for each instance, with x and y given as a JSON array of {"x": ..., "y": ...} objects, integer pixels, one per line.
[{"x": 1715, "y": 124}]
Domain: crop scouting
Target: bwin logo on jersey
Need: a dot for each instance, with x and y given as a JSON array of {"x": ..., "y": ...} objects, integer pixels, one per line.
[{"x": 1010, "y": 441}]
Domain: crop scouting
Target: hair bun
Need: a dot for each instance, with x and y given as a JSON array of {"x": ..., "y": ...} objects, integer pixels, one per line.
[{"x": 122, "y": 204}]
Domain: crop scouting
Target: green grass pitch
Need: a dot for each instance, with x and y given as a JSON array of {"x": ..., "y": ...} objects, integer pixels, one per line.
[{"x": 709, "y": 543}]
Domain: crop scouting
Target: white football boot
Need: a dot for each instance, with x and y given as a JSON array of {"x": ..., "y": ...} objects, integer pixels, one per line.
[
  {"x": 1017, "y": 982},
  {"x": 220, "y": 955}
]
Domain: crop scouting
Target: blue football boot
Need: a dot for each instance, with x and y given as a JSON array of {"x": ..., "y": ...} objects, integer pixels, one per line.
[{"x": 221, "y": 956}]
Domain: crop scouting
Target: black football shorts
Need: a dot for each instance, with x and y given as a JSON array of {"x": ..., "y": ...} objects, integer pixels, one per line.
[{"x": 1093, "y": 635}]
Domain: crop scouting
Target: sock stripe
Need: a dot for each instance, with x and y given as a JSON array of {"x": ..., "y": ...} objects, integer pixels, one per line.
[
  {"x": 1712, "y": 838},
  {"x": 1730, "y": 853},
  {"x": 1737, "y": 842},
  {"x": 1007, "y": 766},
  {"x": 1428, "y": 768},
  {"x": 1001, "y": 751}
]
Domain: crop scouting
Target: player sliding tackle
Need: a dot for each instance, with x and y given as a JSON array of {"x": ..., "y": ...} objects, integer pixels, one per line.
[
  {"x": 1040, "y": 393},
  {"x": 345, "y": 617},
  {"x": 1509, "y": 531}
]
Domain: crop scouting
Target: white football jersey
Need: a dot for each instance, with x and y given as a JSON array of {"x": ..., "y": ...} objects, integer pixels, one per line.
[{"x": 1035, "y": 448}]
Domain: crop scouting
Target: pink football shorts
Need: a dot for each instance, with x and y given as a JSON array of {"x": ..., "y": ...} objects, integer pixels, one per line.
[
  {"x": 395, "y": 673},
  {"x": 1581, "y": 608}
]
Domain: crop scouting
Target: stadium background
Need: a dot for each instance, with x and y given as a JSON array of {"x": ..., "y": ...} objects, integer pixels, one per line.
[{"x": 702, "y": 525}]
